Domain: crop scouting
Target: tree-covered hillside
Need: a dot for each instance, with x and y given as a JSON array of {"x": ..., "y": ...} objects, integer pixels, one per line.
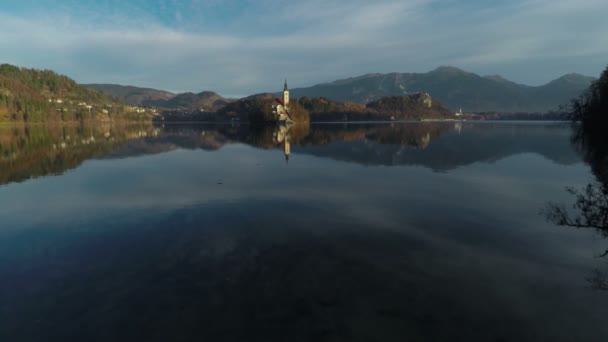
[
  {"x": 206, "y": 100},
  {"x": 413, "y": 107},
  {"x": 31, "y": 95},
  {"x": 133, "y": 96},
  {"x": 409, "y": 107}
]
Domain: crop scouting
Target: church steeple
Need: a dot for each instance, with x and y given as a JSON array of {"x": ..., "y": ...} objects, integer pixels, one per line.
[{"x": 285, "y": 95}]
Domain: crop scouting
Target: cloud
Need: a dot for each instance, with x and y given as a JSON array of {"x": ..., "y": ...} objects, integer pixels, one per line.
[{"x": 244, "y": 47}]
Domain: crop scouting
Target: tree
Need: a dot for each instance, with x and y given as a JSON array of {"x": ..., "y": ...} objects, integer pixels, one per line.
[
  {"x": 25, "y": 94},
  {"x": 590, "y": 117},
  {"x": 590, "y": 210}
]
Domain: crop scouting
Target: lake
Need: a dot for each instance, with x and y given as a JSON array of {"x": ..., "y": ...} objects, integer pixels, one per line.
[{"x": 333, "y": 232}]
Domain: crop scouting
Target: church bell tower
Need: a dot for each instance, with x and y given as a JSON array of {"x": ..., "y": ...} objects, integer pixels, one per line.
[{"x": 286, "y": 95}]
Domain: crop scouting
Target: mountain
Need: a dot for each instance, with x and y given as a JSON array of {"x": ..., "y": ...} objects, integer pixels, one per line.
[
  {"x": 567, "y": 87},
  {"x": 456, "y": 89},
  {"x": 130, "y": 95},
  {"x": 136, "y": 96},
  {"x": 206, "y": 100},
  {"x": 32, "y": 95}
]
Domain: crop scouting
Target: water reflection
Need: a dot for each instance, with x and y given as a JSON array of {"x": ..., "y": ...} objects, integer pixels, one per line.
[
  {"x": 34, "y": 151},
  {"x": 372, "y": 232},
  {"x": 590, "y": 211},
  {"x": 282, "y": 137}
]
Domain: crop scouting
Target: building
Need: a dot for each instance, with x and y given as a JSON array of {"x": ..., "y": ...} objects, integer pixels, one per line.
[
  {"x": 281, "y": 136},
  {"x": 281, "y": 107},
  {"x": 286, "y": 96}
]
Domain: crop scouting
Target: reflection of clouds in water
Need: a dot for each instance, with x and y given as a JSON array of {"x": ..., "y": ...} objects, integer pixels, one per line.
[
  {"x": 413, "y": 201},
  {"x": 385, "y": 245},
  {"x": 186, "y": 178},
  {"x": 381, "y": 196},
  {"x": 367, "y": 144},
  {"x": 322, "y": 257}
]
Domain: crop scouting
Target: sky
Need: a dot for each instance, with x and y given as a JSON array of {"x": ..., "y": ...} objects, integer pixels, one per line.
[{"x": 243, "y": 47}]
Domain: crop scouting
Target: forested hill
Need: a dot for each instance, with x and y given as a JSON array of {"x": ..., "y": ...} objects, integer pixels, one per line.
[
  {"x": 456, "y": 89},
  {"x": 206, "y": 100},
  {"x": 408, "y": 107},
  {"x": 136, "y": 96},
  {"x": 133, "y": 96},
  {"x": 32, "y": 95}
]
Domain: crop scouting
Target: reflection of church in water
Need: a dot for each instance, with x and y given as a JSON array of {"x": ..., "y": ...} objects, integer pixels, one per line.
[{"x": 281, "y": 136}]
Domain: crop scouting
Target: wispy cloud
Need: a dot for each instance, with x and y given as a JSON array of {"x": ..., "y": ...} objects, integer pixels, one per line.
[{"x": 243, "y": 47}]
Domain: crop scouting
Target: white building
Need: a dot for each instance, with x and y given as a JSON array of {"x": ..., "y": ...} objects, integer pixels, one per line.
[
  {"x": 281, "y": 109},
  {"x": 286, "y": 96}
]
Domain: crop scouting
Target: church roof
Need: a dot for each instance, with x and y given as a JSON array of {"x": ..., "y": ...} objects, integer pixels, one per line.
[{"x": 285, "y": 88}]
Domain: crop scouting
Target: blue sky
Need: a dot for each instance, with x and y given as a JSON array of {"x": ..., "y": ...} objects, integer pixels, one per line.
[{"x": 241, "y": 47}]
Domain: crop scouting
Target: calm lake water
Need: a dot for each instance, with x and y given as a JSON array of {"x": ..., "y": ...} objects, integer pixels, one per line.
[{"x": 334, "y": 232}]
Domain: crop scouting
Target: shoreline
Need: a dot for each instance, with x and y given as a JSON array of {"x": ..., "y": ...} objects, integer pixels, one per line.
[{"x": 355, "y": 122}]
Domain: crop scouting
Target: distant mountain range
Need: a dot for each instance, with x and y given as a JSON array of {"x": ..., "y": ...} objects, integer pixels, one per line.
[
  {"x": 206, "y": 100},
  {"x": 135, "y": 96},
  {"x": 453, "y": 87},
  {"x": 456, "y": 89},
  {"x": 32, "y": 95},
  {"x": 130, "y": 95}
]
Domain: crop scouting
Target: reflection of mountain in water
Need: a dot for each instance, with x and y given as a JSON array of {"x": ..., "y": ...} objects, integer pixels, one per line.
[
  {"x": 442, "y": 146},
  {"x": 28, "y": 152},
  {"x": 33, "y": 151},
  {"x": 439, "y": 146}
]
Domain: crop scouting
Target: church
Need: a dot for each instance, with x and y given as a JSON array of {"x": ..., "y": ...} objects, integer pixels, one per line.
[{"x": 281, "y": 107}]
